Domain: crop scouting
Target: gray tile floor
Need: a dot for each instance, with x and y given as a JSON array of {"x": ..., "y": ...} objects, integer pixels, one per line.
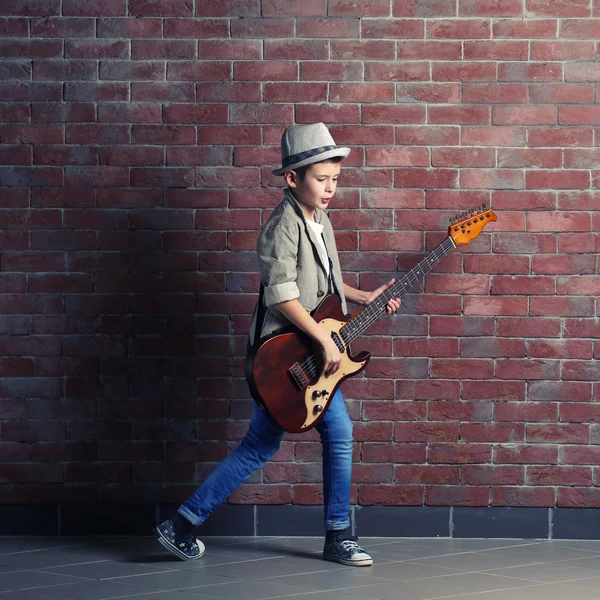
[{"x": 276, "y": 568}]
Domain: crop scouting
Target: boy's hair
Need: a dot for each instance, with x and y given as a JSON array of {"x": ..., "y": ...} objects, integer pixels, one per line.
[{"x": 301, "y": 171}]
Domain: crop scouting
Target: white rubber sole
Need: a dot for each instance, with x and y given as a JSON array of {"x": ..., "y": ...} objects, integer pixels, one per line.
[
  {"x": 366, "y": 562},
  {"x": 174, "y": 550}
]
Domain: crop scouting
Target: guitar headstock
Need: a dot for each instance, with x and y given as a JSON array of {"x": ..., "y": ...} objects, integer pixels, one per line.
[{"x": 465, "y": 227}]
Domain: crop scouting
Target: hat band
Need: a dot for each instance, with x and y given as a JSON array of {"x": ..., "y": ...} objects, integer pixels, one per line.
[{"x": 296, "y": 158}]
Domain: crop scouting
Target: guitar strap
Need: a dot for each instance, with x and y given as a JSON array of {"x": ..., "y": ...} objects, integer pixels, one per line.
[{"x": 260, "y": 317}]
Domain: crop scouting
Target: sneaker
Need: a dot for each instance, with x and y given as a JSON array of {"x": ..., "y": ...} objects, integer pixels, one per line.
[
  {"x": 184, "y": 547},
  {"x": 346, "y": 551}
]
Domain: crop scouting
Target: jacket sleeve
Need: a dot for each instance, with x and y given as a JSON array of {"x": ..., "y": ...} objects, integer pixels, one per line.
[{"x": 277, "y": 258}]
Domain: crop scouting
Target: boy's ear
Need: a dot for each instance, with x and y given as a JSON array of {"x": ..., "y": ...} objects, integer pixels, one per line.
[{"x": 291, "y": 178}]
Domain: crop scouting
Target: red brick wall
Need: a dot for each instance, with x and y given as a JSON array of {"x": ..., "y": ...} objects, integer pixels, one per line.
[{"x": 136, "y": 144}]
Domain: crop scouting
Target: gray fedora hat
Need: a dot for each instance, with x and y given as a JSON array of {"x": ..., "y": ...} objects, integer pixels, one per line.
[{"x": 303, "y": 145}]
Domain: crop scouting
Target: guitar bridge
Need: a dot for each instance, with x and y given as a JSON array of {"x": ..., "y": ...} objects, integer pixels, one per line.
[{"x": 299, "y": 376}]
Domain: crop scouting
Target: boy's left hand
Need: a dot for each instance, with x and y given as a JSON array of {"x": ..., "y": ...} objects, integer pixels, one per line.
[{"x": 393, "y": 305}]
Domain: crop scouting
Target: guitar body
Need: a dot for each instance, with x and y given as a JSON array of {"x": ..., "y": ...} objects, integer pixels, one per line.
[{"x": 284, "y": 371}]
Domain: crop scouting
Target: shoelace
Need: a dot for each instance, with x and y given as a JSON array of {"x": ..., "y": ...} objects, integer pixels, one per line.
[{"x": 350, "y": 544}]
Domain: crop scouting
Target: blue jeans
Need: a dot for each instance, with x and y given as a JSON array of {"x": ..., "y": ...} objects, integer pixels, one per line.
[{"x": 261, "y": 443}]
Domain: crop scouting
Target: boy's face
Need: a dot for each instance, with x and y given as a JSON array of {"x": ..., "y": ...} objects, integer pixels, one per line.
[{"x": 317, "y": 188}]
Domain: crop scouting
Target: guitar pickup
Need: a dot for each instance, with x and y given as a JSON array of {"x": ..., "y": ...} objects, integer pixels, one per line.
[{"x": 299, "y": 376}]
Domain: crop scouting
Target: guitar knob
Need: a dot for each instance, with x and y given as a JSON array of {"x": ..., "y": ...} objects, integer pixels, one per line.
[
  {"x": 317, "y": 394},
  {"x": 325, "y": 393},
  {"x": 318, "y": 409}
]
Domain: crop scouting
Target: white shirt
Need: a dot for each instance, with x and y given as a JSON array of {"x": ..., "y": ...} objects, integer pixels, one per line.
[{"x": 318, "y": 230}]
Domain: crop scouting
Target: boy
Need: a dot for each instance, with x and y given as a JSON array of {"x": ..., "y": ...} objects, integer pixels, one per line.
[{"x": 298, "y": 265}]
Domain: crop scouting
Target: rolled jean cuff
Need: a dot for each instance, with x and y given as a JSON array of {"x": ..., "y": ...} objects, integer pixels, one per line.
[
  {"x": 337, "y": 525},
  {"x": 190, "y": 516}
]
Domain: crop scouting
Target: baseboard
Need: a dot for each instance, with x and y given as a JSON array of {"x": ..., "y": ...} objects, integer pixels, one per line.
[{"x": 295, "y": 520}]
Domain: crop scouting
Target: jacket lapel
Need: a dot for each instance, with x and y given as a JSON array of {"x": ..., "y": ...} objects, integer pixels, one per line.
[{"x": 309, "y": 232}]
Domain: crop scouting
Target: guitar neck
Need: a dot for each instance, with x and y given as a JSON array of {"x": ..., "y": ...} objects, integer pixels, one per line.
[{"x": 370, "y": 313}]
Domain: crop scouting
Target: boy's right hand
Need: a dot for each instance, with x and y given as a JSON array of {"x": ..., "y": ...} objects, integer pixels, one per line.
[{"x": 332, "y": 359}]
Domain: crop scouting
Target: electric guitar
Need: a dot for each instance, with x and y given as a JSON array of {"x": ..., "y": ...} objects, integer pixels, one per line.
[{"x": 284, "y": 370}]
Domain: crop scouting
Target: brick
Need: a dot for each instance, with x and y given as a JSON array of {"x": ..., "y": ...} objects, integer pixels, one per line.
[
  {"x": 421, "y": 178},
  {"x": 463, "y": 114},
  {"x": 279, "y": 8},
  {"x": 429, "y": 135},
  {"x": 125, "y": 70},
  {"x": 395, "y": 71},
  {"x": 463, "y": 71},
  {"x": 578, "y": 497},
  {"x": 456, "y": 453},
  {"x": 560, "y": 221},
  {"x": 524, "y": 115},
  {"x": 128, "y": 27},
  {"x": 372, "y": 135},
  {"x": 559, "y": 475},
  {"x": 491, "y": 475},
  {"x": 161, "y": 8},
  {"x": 580, "y": 412},
  {"x": 557, "y": 391},
  {"x": 560, "y": 136},
  {"x": 492, "y": 432},
  {"x": 490, "y": 8},
  {"x": 31, "y": 92},
  {"x": 422, "y": 347},
  {"x": 459, "y": 29},
  {"x": 456, "y": 496},
  {"x": 428, "y": 390},
  {"x": 453, "y": 199},
  {"x": 265, "y": 71},
  {"x": 366, "y": 8},
  {"x": 195, "y": 113},
  {"x": 393, "y": 28},
  {"x": 580, "y": 370},
  {"x": 495, "y": 92},
  {"x": 331, "y": 71},
  {"x": 562, "y": 50},
  {"x": 260, "y": 113},
  {"x": 329, "y": 113},
  {"x": 578, "y": 455},
  {"x": 493, "y": 390},
  {"x": 523, "y": 496},
  {"x": 525, "y": 411},
  {"x": 494, "y": 136},
  {"x": 362, "y": 50},
  {"x": 15, "y": 70},
  {"x": 36, "y": 8},
  {"x": 577, "y": 200},
  {"x": 64, "y": 70},
  {"x": 525, "y": 28},
  {"x": 96, "y": 49},
  {"x": 429, "y": 50},
  {"x": 579, "y": 115},
  {"x": 427, "y": 474},
  {"x": 295, "y": 92},
  {"x": 424, "y": 8},
  {"x": 483, "y": 348},
  {"x": 15, "y": 155},
  {"x": 196, "y": 71},
  {"x": 163, "y": 134},
  {"x": 426, "y": 432},
  {"x": 463, "y": 157},
  {"x": 410, "y": 157},
  {"x": 492, "y": 178},
  {"x": 575, "y": 433},
  {"x": 99, "y": 92},
  {"x": 460, "y": 411},
  {"x": 534, "y": 72},
  {"x": 255, "y": 27},
  {"x": 59, "y": 27},
  {"x": 295, "y": 50},
  {"x": 461, "y": 368},
  {"x": 496, "y": 50},
  {"x": 563, "y": 179},
  {"x": 562, "y": 265},
  {"x": 559, "y": 8},
  {"x": 391, "y": 495},
  {"x": 428, "y": 92},
  {"x": 522, "y": 199},
  {"x": 577, "y": 285},
  {"x": 511, "y": 158},
  {"x": 525, "y": 454},
  {"x": 394, "y": 411}
]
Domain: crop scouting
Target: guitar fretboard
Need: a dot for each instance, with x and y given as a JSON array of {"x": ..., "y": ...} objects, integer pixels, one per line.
[{"x": 370, "y": 313}]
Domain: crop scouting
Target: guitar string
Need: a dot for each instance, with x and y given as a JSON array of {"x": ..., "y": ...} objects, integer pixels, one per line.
[{"x": 310, "y": 366}]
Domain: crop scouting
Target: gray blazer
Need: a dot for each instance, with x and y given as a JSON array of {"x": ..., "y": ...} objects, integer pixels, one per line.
[{"x": 291, "y": 265}]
